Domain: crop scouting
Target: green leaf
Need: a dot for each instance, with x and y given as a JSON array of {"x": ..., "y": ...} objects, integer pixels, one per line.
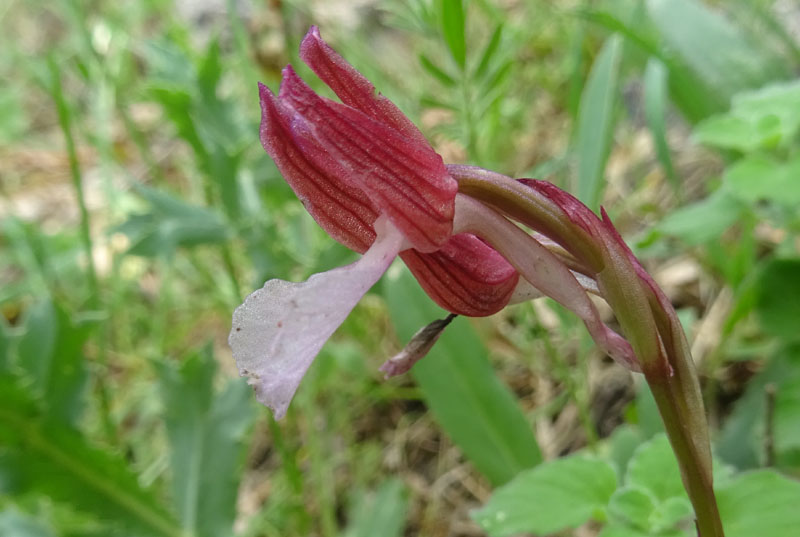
[
  {"x": 5, "y": 346},
  {"x": 655, "y": 109},
  {"x": 51, "y": 354},
  {"x": 777, "y": 306},
  {"x": 489, "y": 52},
  {"x": 669, "y": 513},
  {"x": 459, "y": 386},
  {"x": 451, "y": 13},
  {"x": 618, "y": 530},
  {"x": 761, "y": 119},
  {"x": 729, "y": 63},
  {"x": 705, "y": 220},
  {"x": 49, "y": 458},
  {"x": 437, "y": 72},
  {"x": 382, "y": 513},
  {"x": 170, "y": 224},
  {"x": 654, "y": 468},
  {"x": 760, "y": 503},
  {"x": 205, "y": 431},
  {"x": 633, "y": 505},
  {"x": 759, "y": 178},
  {"x": 554, "y": 496},
  {"x": 596, "y": 122}
]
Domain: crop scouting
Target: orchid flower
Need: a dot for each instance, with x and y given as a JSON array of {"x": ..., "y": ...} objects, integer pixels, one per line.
[
  {"x": 372, "y": 181},
  {"x": 369, "y": 177}
]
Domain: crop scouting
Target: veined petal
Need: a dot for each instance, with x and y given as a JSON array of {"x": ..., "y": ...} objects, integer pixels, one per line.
[
  {"x": 403, "y": 178},
  {"x": 352, "y": 87},
  {"x": 279, "y": 329},
  {"x": 466, "y": 276},
  {"x": 342, "y": 210}
]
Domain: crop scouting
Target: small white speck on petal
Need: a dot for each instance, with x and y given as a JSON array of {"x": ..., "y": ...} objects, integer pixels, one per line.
[{"x": 279, "y": 329}]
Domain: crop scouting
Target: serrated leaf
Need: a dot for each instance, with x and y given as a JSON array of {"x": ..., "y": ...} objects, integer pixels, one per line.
[
  {"x": 762, "y": 502},
  {"x": 777, "y": 306},
  {"x": 453, "y": 22},
  {"x": 655, "y": 109},
  {"x": 49, "y": 458},
  {"x": 596, "y": 122},
  {"x": 633, "y": 505},
  {"x": 459, "y": 386},
  {"x": 381, "y": 513},
  {"x": 669, "y": 513},
  {"x": 50, "y": 353},
  {"x": 205, "y": 431},
  {"x": 554, "y": 496},
  {"x": 654, "y": 468}
]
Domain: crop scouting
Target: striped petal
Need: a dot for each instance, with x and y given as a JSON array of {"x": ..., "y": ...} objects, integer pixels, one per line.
[
  {"x": 466, "y": 276},
  {"x": 403, "y": 178},
  {"x": 352, "y": 87},
  {"x": 341, "y": 209}
]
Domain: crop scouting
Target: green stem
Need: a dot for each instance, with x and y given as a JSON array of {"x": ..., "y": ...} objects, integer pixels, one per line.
[{"x": 697, "y": 477}]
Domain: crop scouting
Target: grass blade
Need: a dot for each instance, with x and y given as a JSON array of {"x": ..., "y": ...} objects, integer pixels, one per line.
[
  {"x": 596, "y": 121},
  {"x": 453, "y": 22},
  {"x": 655, "y": 110}
]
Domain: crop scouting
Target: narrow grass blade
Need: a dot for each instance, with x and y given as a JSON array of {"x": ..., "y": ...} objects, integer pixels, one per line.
[
  {"x": 655, "y": 109},
  {"x": 453, "y": 21},
  {"x": 596, "y": 121}
]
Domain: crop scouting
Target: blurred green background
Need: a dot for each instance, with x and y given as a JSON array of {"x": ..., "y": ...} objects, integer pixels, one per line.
[{"x": 137, "y": 209}]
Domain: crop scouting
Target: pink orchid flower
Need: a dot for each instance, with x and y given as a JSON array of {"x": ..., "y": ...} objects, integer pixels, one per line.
[{"x": 369, "y": 177}]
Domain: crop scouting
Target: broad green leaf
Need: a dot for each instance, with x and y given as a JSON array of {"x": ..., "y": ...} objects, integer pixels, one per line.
[
  {"x": 50, "y": 353},
  {"x": 777, "y": 306},
  {"x": 382, "y": 513},
  {"x": 758, "y": 178},
  {"x": 633, "y": 505},
  {"x": 622, "y": 445},
  {"x": 669, "y": 513},
  {"x": 552, "y": 497},
  {"x": 728, "y": 63},
  {"x": 46, "y": 457},
  {"x": 596, "y": 122},
  {"x": 655, "y": 109},
  {"x": 205, "y": 431},
  {"x": 459, "y": 386},
  {"x": 704, "y": 220},
  {"x": 453, "y": 23},
  {"x": 759, "y": 503},
  {"x": 654, "y": 468},
  {"x": 760, "y": 119},
  {"x": 618, "y": 530}
]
